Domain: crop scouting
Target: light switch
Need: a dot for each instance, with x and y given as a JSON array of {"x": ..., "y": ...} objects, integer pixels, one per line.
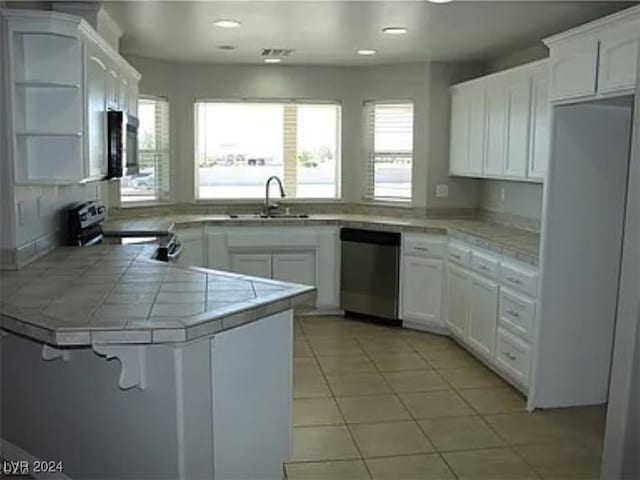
[{"x": 442, "y": 190}]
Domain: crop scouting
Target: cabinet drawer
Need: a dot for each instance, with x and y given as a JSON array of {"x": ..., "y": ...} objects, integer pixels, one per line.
[
  {"x": 517, "y": 313},
  {"x": 485, "y": 264},
  {"x": 459, "y": 254},
  {"x": 423, "y": 246},
  {"x": 519, "y": 277},
  {"x": 512, "y": 356}
]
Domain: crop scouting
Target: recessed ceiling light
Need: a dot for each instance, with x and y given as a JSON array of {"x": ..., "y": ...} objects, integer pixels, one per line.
[
  {"x": 394, "y": 30},
  {"x": 366, "y": 52},
  {"x": 272, "y": 60},
  {"x": 227, "y": 23},
  {"x": 439, "y": 1}
]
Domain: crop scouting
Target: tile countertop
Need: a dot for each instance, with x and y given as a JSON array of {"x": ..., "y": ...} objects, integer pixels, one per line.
[
  {"x": 116, "y": 294},
  {"x": 516, "y": 243}
]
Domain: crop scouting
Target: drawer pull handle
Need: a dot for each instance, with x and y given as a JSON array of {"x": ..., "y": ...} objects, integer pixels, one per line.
[
  {"x": 513, "y": 313},
  {"x": 457, "y": 257},
  {"x": 510, "y": 356},
  {"x": 422, "y": 249},
  {"x": 517, "y": 281},
  {"x": 483, "y": 267}
]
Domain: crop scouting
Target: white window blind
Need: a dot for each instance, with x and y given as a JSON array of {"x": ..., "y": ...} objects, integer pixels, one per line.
[
  {"x": 150, "y": 181},
  {"x": 388, "y": 150},
  {"x": 240, "y": 144}
]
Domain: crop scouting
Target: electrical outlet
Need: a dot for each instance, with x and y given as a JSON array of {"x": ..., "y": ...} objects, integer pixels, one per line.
[
  {"x": 502, "y": 195},
  {"x": 442, "y": 190}
]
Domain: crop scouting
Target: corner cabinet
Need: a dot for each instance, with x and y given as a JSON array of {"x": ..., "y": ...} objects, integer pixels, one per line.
[
  {"x": 598, "y": 59},
  {"x": 57, "y": 84},
  {"x": 500, "y": 125}
]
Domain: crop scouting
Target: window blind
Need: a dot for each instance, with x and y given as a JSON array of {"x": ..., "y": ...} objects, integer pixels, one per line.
[
  {"x": 151, "y": 180},
  {"x": 388, "y": 128}
]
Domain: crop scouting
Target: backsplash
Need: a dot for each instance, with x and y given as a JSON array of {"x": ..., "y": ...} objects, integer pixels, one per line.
[
  {"x": 310, "y": 208},
  {"x": 38, "y": 221}
]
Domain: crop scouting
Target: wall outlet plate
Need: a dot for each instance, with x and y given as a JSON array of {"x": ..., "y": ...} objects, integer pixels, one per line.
[{"x": 442, "y": 190}]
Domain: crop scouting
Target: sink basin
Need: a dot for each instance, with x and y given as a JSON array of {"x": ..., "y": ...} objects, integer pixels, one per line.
[{"x": 266, "y": 217}]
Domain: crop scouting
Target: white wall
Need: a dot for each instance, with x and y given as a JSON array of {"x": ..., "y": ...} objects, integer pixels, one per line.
[{"x": 182, "y": 83}]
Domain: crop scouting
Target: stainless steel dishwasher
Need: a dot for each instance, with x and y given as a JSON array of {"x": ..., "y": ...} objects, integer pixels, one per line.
[{"x": 370, "y": 273}]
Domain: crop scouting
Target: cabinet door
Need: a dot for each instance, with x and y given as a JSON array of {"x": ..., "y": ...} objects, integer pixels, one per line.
[
  {"x": 574, "y": 69},
  {"x": 496, "y": 130},
  {"x": 422, "y": 290},
  {"x": 133, "y": 98},
  {"x": 457, "y": 300},
  {"x": 540, "y": 125},
  {"x": 483, "y": 315},
  {"x": 619, "y": 58},
  {"x": 477, "y": 117},
  {"x": 518, "y": 111},
  {"x": 123, "y": 95},
  {"x": 96, "y": 115},
  {"x": 193, "y": 248},
  {"x": 294, "y": 267},
  {"x": 459, "y": 135},
  {"x": 254, "y": 264}
]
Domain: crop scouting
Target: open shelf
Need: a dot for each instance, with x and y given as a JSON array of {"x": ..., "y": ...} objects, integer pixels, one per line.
[
  {"x": 45, "y": 58},
  {"x": 45, "y": 84},
  {"x": 49, "y": 134},
  {"x": 38, "y": 158}
]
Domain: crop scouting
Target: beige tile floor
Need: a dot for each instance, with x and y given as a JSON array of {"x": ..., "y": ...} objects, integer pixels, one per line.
[{"x": 374, "y": 402}]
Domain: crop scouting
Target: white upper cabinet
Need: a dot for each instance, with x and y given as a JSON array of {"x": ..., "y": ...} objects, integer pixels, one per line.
[
  {"x": 97, "y": 97},
  {"x": 574, "y": 69},
  {"x": 500, "y": 125},
  {"x": 477, "y": 131},
  {"x": 496, "y": 130},
  {"x": 518, "y": 115},
  {"x": 619, "y": 58},
  {"x": 540, "y": 139},
  {"x": 599, "y": 58},
  {"x": 60, "y": 81},
  {"x": 459, "y": 138},
  {"x": 467, "y": 130}
]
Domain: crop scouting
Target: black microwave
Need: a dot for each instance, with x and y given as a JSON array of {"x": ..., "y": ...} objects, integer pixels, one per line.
[{"x": 122, "y": 143}]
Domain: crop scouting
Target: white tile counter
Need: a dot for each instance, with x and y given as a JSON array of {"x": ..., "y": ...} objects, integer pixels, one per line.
[{"x": 116, "y": 294}]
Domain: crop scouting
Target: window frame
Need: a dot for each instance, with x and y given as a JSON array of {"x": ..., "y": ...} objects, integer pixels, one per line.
[
  {"x": 161, "y": 195},
  {"x": 368, "y": 148},
  {"x": 274, "y": 101}
]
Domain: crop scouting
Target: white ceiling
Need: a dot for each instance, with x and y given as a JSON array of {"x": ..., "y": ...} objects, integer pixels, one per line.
[{"x": 329, "y": 32}]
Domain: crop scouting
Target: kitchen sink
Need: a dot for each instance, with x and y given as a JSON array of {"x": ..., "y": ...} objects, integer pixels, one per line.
[{"x": 265, "y": 216}]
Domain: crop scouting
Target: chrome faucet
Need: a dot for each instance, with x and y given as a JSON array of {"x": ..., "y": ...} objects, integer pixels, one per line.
[{"x": 268, "y": 206}]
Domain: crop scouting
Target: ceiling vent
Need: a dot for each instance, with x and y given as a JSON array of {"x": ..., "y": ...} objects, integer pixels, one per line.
[{"x": 277, "y": 52}]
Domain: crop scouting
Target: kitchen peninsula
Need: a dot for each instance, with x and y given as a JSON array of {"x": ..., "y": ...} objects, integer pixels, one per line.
[{"x": 202, "y": 385}]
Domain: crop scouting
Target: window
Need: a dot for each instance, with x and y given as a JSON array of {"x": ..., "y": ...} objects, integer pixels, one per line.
[
  {"x": 149, "y": 181},
  {"x": 239, "y": 145},
  {"x": 389, "y": 150}
]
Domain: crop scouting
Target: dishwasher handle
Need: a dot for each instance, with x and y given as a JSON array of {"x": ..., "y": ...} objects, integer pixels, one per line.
[{"x": 369, "y": 236}]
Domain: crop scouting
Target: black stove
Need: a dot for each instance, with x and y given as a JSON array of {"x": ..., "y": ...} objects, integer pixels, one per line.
[{"x": 83, "y": 227}]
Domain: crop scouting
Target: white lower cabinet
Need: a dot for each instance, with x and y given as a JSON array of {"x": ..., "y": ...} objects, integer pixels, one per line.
[
  {"x": 294, "y": 267},
  {"x": 304, "y": 255},
  {"x": 483, "y": 314},
  {"x": 513, "y": 357},
  {"x": 486, "y": 314},
  {"x": 254, "y": 264},
  {"x": 192, "y": 240},
  {"x": 457, "y": 310},
  {"x": 422, "y": 290}
]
